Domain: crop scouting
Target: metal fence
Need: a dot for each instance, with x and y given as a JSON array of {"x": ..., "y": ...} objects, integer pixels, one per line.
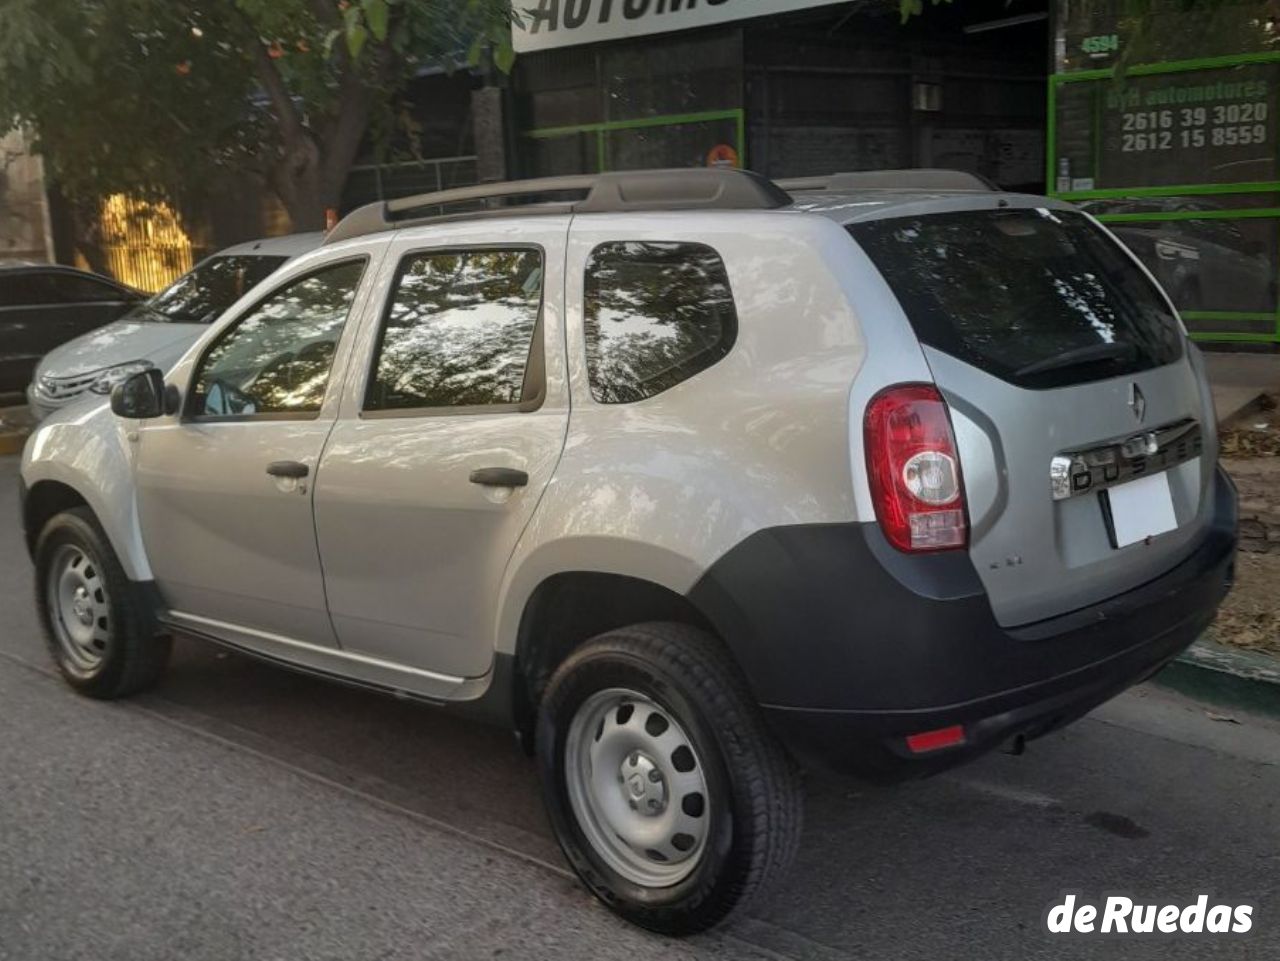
[
  {"x": 371, "y": 182},
  {"x": 143, "y": 242}
]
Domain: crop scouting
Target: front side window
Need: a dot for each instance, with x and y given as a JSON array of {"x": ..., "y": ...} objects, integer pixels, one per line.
[
  {"x": 200, "y": 296},
  {"x": 656, "y": 314},
  {"x": 1040, "y": 298},
  {"x": 276, "y": 360},
  {"x": 459, "y": 331}
]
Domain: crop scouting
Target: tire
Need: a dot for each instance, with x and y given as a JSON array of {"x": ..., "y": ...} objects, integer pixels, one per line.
[
  {"x": 99, "y": 632},
  {"x": 707, "y": 858}
]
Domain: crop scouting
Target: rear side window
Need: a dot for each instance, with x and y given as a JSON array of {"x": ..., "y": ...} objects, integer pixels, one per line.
[
  {"x": 1040, "y": 298},
  {"x": 656, "y": 314},
  {"x": 75, "y": 289},
  {"x": 27, "y": 290},
  {"x": 459, "y": 332}
]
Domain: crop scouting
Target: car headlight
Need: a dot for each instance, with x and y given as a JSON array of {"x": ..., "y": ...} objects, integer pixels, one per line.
[{"x": 108, "y": 378}]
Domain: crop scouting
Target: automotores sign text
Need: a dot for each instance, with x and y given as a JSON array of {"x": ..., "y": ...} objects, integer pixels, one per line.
[{"x": 543, "y": 24}]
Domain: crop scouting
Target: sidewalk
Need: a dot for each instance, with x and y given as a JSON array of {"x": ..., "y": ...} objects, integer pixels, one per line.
[
  {"x": 1238, "y": 379},
  {"x": 15, "y": 425}
]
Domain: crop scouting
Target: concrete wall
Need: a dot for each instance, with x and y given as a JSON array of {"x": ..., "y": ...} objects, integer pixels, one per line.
[{"x": 23, "y": 213}]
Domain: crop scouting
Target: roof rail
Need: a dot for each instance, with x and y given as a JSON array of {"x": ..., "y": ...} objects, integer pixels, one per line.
[
  {"x": 679, "y": 189},
  {"x": 923, "y": 178}
]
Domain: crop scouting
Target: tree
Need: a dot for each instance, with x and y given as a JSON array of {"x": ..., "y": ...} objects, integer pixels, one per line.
[{"x": 157, "y": 97}]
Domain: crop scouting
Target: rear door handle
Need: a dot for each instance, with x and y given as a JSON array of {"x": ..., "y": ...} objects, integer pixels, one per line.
[
  {"x": 499, "y": 477},
  {"x": 288, "y": 468}
]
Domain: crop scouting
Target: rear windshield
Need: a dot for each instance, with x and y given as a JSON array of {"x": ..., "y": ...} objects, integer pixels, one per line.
[
  {"x": 200, "y": 297},
  {"x": 1040, "y": 298}
]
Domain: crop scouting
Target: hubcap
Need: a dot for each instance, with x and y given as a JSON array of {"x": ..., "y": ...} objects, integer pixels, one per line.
[
  {"x": 78, "y": 608},
  {"x": 637, "y": 787}
]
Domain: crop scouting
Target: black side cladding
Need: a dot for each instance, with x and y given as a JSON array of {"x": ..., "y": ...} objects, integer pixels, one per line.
[{"x": 832, "y": 618}]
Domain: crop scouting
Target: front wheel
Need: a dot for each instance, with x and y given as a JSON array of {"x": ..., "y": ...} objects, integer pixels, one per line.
[
  {"x": 669, "y": 797},
  {"x": 99, "y": 632}
]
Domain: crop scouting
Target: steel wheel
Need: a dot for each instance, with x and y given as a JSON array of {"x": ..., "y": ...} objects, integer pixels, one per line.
[
  {"x": 637, "y": 788},
  {"x": 79, "y": 608}
]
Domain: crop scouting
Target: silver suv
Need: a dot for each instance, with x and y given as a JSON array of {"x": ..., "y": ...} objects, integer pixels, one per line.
[{"x": 689, "y": 479}]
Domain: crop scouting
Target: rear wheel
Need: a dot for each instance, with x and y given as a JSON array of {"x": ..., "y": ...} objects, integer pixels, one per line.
[
  {"x": 669, "y": 797},
  {"x": 100, "y": 634}
]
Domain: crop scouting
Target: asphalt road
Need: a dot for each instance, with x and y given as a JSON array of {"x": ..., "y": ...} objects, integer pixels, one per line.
[{"x": 242, "y": 812}]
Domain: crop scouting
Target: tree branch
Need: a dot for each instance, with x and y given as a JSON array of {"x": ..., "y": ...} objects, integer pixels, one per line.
[
  {"x": 291, "y": 125},
  {"x": 351, "y": 117}
]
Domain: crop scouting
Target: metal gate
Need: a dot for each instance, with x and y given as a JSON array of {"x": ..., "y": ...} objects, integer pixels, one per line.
[{"x": 143, "y": 242}]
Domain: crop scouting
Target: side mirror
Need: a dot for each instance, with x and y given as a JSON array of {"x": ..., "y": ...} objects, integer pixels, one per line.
[{"x": 143, "y": 395}]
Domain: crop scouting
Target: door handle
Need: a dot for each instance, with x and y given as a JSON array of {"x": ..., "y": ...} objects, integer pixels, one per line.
[
  {"x": 499, "y": 477},
  {"x": 288, "y": 468}
]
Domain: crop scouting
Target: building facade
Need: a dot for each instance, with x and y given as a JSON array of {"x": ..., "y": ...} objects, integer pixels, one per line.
[
  {"x": 1165, "y": 127},
  {"x": 809, "y": 88}
]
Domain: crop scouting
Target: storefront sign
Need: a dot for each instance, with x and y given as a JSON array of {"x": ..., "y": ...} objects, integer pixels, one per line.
[
  {"x": 560, "y": 23},
  {"x": 1198, "y": 127}
]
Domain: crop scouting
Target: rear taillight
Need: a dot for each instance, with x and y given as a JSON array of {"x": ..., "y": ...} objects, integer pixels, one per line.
[{"x": 914, "y": 469}]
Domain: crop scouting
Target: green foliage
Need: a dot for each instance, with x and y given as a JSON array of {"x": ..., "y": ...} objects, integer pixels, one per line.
[
  {"x": 155, "y": 96},
  {"x": 94, "y": 89}
]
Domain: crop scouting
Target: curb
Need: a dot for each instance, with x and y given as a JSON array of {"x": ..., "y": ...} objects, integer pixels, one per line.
[
  {"x": 1239, "y": 407},
  {"x": 15, "y": 425},
  {"x": 1212, "y": 672}
]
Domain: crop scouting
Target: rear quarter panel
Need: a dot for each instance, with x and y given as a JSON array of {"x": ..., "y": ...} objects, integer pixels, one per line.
[{"x": 661, "y": 488}]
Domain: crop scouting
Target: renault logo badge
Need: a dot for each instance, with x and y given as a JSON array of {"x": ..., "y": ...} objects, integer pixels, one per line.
[{"x": 1137, "y": 403}]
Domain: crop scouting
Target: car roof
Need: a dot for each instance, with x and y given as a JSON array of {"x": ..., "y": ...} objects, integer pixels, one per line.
[
  {"x": 697, "y": 192},
  {"x": 854, "y": 206},
  {"x": 290, "y": 245},
  {"x": 36, "y": 267}
]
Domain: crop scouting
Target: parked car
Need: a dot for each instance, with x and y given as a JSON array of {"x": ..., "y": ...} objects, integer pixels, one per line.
[
  {"x": 44, "y": 305},
  {"x": 160, "y": 329},
  {"x": 1205, "y": 264},
  {"x": 689, "y": 480}
]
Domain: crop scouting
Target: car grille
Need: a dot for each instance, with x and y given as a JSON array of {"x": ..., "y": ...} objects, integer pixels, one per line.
[{"x": 59, "y": 390}]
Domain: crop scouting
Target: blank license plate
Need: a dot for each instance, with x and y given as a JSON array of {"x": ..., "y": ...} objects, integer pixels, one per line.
[{"x": 1142, "y": 508}]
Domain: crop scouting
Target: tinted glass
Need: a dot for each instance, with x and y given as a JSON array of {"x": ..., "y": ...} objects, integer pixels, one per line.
[
  {"x": 27, "y": 289},
  {"x": 656, "y": 314},
  {"x": 200, "y": 296},
  {"x": 458, "y": 331},
  {"x": 73, "y": 289},
  {"x": 277, "y": 359},
  {"x": 1040, "y": 298}
]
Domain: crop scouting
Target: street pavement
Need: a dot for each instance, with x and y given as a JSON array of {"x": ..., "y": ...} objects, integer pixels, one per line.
[{"x": 243, "y": 812}]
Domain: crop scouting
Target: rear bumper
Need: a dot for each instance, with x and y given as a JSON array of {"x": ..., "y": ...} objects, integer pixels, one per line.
[{"x": 881, "y": 645}]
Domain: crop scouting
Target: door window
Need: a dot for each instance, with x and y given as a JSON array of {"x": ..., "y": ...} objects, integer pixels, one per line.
[
  {"x": 656, "y": 314},
  {"x": 276, "y": 359},
  {"x": 460, "y": 333}
]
